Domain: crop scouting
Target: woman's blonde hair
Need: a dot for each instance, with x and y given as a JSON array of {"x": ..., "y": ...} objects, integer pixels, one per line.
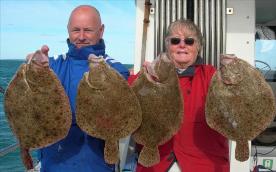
[{"x": 184, "y": 26}]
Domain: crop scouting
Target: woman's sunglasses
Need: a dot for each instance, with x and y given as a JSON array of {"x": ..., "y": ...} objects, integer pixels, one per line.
[{"x": 188, "y": 41}]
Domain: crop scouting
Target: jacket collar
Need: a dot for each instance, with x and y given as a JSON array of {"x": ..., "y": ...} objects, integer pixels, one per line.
[
  {"x": 190, "y": 71},
  {"x": 83, "y": 53}
]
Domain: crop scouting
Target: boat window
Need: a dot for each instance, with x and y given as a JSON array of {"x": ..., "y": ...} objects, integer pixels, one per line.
[
  {"x": 265, "y": 48},
  {"x": 265, "y": 62}
]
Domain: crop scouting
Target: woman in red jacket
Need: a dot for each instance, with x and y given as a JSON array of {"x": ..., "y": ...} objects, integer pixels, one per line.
[{"x": 195, "y": 147}]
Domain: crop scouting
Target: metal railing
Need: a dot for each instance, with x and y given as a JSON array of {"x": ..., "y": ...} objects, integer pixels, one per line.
[
  {"x": 208, "y": 15},
  {"x": 8, "y": 149}
]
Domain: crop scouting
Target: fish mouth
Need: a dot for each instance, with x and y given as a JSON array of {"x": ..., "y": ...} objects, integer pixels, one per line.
[
  {"x": 151, "y": 74},
  {"x": 152, "y": 70},
  {"x": 38, "y": 61},
  {"x": 226, "y": 59},
  {"x": 40, "y": 65},
  {"x": 95, "y": 59}
]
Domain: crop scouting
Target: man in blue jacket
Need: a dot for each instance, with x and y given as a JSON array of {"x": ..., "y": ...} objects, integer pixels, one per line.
[{"x": 78, "y": 152}]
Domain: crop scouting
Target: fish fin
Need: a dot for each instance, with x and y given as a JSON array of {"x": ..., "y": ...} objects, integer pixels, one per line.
[
  {"x": 26, "y": 158},
  {"x": 149, "y": 156}
]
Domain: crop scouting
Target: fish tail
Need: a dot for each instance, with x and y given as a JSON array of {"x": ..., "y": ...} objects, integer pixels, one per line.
[
  {"x": 111, "y": 152},
  {"x": 242, "y": 151},
  {"x": 149, "y": 156}
]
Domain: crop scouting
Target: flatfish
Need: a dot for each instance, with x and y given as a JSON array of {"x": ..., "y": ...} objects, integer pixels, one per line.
[
  {"x": 240, "y": 103},
  {"x": 37, "y": 107},
  {"x": 158, "y": 91},
  {"x": 106, "y": 106}
]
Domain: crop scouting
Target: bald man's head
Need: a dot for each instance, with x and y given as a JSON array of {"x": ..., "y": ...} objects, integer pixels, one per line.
[
  {"x": 85, "y": 26},
  {"x": 86, "y": 10}
]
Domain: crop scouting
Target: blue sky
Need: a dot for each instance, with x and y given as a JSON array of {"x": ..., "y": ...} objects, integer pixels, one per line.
[{"x": 26, "y": 25}]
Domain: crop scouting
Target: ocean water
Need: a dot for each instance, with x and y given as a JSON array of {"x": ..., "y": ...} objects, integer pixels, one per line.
[{"x": 11, "y": 162}]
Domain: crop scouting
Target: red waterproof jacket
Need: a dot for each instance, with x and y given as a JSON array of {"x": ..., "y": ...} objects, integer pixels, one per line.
[{"x": 196, "y": 147}]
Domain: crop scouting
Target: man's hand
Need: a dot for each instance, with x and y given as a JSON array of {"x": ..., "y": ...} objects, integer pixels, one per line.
[{"x": 40, "y": 58}]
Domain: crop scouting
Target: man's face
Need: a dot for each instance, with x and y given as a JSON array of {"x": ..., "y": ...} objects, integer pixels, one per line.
[{"x": 85, "y": 29}]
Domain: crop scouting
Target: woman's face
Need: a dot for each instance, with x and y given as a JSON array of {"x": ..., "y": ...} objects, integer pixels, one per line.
[{"x": 185, "y": 51}]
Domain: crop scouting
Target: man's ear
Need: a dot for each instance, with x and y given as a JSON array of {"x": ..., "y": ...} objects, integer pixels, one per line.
[{"x": 102, "y": 30}]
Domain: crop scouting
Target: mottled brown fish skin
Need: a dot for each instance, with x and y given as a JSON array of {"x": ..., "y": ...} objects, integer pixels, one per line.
[
  {"x": 106, "y": 107},
  {"x": 240, "y": 104},
  {"x": 37, "y": 107},
  {"x": 162, "y": 109}
]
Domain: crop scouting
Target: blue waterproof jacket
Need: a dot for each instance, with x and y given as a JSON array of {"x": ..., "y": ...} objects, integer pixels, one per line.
[{"x": 78, "y": 152}]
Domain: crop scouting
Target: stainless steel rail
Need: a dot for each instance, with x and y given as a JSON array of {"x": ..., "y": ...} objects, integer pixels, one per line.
[
  {"x": 209, "y": 15},
  {"x": 8, "y": 149},
  {"x": 2, "y": 90}
]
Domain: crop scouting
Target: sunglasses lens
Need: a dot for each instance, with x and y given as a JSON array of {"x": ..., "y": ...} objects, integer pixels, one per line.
[
  {"x": 189, "y": 41},
  {"x": 175, "y": 41}
]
